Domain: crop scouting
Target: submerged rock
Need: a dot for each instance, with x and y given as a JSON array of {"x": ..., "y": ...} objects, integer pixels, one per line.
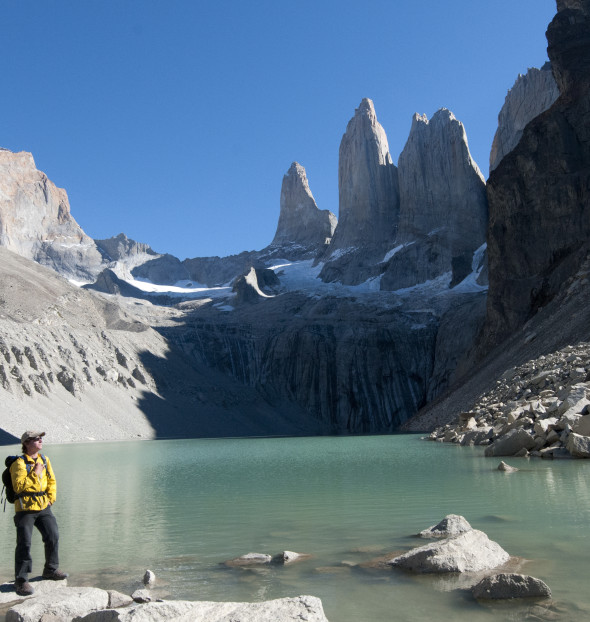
[
  {"x": 250, "y": 559},
  {"x": 471, "y": 551},
  {"x": 511, "y": 585}
]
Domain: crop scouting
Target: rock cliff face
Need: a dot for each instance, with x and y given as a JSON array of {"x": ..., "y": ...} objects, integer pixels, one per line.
[
  {"x": 35, "y": 220},
  {"x": 302, "y": 226},
  {"x": 540, "y": 192},
  {"x": 532, "y": 94},
  {"x": 368, "y": 199},
  {"x": 443, "y": 205}
]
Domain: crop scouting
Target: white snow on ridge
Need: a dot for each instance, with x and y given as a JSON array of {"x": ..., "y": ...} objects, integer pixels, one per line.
[{"x": 178, "y": 289}]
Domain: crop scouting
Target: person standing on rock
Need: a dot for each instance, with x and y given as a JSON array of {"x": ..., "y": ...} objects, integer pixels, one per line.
[{"x": 35, "y": 486}]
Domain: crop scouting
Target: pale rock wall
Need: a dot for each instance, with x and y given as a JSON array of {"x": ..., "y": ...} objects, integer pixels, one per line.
[
  {"x": 443, "y": 205},
  {"x": 35, "y": 219},
  {"x": 301, "y": 223},
  {"x": 532, "y": 94}
]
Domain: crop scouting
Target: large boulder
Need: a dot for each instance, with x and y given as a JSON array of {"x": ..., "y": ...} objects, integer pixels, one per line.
[
  {"x": 510, "y": 585},
  {"x": 298, "y": 608},
  {"x": 578, "y": 445},
  {"x": 511, "y": 443},
  {"x": 450, "y": 525},
  {"x": 471, "y": 551},
  {"x": 66, "y": 603}
]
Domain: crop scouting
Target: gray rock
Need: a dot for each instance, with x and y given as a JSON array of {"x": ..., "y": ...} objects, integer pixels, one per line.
[
  {"x": 287, "y": 557},
  {"x": 250, "y": 559},
  {"x": 511, "y": 443},
  {"x": 118, "y": 599},
  {"x": 301, "y": 223},
  {"x": 531, "y": 94},
  {"x": 42, "y": 588},
  {"x": 66, "y": 603},
  {"x": 511, "y": 585},
  {"x": 295, "y": 609},
  {"x": 578, "y": 445},
  {"x": 506, "y": 467},
  {"x": 471, "y": 551},
  {"x": 142, "y": 596},
  {"x": 443, "y": 204},
  {"x": 37, "y": 223},
  {"x": 149, "y": 578},
  {"x": 368, "y": 200},
  {"x": 450, "y": 525},
  {"x": 582, "y": 425}
]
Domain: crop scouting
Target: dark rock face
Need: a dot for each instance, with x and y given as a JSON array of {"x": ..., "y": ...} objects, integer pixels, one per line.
[
  {"x": 539, "y": 195},
  {"x": 301, "y": 224},
  {"x": 532, "y": 94}
]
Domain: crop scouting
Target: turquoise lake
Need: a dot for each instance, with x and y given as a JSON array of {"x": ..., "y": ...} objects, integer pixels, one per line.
[{"x": 182, "y": 507}]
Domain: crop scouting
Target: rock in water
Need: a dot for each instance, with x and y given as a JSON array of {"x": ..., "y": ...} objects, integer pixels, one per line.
[
  {"x": 506, "y": 467},
  {"x": 443, "y": 204},
  {"x": 36, "y": 222},
  {"x": 301, "y": 223},
  {"x": 511, "y": 585},
  {"x": 471, "y": 551},
  {"x": 450, "y": 525},
  {"x": 538, "y": 195},
  {"x": 532, "y": 94},
  {"x": 368, "y": 197}
]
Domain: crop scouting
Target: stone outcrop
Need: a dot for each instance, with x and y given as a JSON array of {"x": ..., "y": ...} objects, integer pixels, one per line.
[
  {"x": 120, "y": 247},
  {"x": 303, "y": 229},
  {"x": 368, "y": 193},
  {"x": 443, "y": 204},
  {"x": 254, "y": 285},
  {"x": 538, "y": 195},
  {"x": 471, "y": 551},
  {"x": 510, "y": 585},
  {"x": 35, "y": 220},
  {"x": 450, "y": 525},
  {"x": 531, "y": 94},
  {"x": 53, "y": 602}
]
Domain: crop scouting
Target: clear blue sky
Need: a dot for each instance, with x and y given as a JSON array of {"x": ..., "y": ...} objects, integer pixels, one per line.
[{"x": 174, "y": 121}]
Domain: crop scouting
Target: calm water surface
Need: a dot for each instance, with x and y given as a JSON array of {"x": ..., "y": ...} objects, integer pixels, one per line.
[{"x": 183, "y": 507}]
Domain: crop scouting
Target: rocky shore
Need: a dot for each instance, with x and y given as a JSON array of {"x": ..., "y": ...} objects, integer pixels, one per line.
[{"x": 538, "y": 409}]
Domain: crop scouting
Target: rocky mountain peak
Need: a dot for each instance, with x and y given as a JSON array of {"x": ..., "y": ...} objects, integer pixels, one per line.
[
  {"x": 443, "y": 206},
  {"x": 568, "y": 38},
  {"x": 301, "y": 223},
  {"x": 35, "y": 219},
  {"x": 531, "y": 94},
  {"x": 367, "y": 185},
  {"x": 538, "y": 194}
]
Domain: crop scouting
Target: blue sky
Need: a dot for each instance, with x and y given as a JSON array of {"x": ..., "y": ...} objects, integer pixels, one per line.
[{"x": 174, "y": 121}]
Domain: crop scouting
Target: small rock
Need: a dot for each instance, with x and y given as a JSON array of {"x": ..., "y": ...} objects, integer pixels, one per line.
[
  {"x": 117, "y": 599},
  {"x": 450, "y": 525},
  {"x": 141, "y": 596},
  {"x": 250, "y": 559},
  {"x": 506, "y": 467},
  {"x": 149, "y": 578}
]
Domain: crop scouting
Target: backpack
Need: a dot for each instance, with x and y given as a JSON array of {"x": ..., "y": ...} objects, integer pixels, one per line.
[{"x": 7, "y": 489}]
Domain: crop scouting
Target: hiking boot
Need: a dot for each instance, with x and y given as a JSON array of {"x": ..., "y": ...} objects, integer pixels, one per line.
[
  {"x": 54, "y": 575},
  {"x": 23, "y": 587}
]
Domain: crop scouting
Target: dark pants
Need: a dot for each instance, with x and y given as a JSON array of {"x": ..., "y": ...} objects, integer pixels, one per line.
[{"x": 47, "y": 525}]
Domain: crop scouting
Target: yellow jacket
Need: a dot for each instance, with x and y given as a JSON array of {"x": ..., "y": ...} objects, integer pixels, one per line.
[{"x": 27, "y": 481}]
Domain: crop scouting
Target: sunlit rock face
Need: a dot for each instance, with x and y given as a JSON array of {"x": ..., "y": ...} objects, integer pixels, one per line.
[
  {"x": 540, "y": 192},
  {"x": 532, "y": 94},
  {"x": 443, "y": 205},
  {"x": 302, "y": 227},
  {"x": 368, "y": 200},
  {"x": 35, "y": 219}
]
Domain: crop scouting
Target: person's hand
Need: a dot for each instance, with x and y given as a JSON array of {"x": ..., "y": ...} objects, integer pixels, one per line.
[{"x": 39, "y": 466}]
